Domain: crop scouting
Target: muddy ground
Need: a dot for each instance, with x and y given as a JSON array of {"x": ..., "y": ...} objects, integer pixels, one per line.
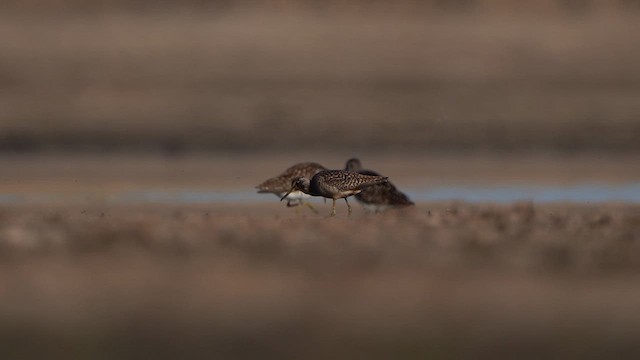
[
  {"x": 89, "y": 278},
  {"x": 447, "y": 280}
]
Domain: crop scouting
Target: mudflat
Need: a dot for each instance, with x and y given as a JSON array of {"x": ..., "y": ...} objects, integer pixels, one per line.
[
  {"x": 238, "y": 281},
  {"x": 102, "y": 173}
]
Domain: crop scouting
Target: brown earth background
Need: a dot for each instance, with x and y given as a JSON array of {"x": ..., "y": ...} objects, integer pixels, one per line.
[{"x": 357, "y": 75}]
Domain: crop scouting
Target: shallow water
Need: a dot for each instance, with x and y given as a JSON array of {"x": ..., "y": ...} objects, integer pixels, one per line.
[
  {"x": 581, "y": 193},
  {"x": 538, "y": 193}
]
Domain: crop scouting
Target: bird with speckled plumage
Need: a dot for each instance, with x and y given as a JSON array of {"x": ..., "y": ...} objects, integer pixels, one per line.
[
  {"x": 334, "y": 184},
  {"x": 281, "y": 184},
  {"x": 378, "y": 197}
]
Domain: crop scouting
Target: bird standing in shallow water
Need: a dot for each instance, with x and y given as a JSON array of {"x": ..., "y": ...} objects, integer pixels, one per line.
[
  {"x": 334, "y": 184},
  {"x": 379, "y": 197},
  {"x": 281, "y": 184}
]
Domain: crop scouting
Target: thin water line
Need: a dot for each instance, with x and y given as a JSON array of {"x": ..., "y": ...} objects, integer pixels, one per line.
[{"x": 581, "y": 193}]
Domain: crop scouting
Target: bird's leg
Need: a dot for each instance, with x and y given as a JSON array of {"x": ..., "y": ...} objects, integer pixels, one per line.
[
  {"x": 348, "y": 206},
  {"x": 292, "y": 203},
  {"x": 333, "y": 209},
  {"x": 310, "y": 207}
]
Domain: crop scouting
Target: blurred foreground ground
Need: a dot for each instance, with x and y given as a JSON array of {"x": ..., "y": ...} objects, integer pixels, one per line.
[{"x": 439, "y": 281}]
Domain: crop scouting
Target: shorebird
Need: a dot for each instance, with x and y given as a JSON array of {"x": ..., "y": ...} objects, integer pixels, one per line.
[
  {"x": 334, "y": 184},
  {"x": 281, "y": 184},
  {"x": 378, "y": 197}
]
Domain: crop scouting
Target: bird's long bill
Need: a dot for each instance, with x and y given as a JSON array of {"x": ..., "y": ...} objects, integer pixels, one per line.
[{"x": 287, "y": 194}]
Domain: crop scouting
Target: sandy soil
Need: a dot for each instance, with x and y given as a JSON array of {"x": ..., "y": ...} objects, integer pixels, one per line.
[{"x": 448, "y": 281}]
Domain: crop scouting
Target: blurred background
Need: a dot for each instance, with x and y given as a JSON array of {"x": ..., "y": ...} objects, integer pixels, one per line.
[{"x": 345, "y": 75}]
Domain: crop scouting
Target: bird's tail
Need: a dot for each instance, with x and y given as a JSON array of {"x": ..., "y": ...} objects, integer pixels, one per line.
[
  {"x": 399, "y": 198},
  {"x": 368, "y": 180}
]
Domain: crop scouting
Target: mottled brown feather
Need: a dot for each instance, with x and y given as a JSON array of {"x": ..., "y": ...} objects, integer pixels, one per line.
[
  {"x": 282, "y": 182},
  {"x": 340, "y": 183},
  {"x": 378, "y": 194}
]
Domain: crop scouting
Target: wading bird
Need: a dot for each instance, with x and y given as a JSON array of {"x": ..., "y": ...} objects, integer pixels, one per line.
[
  {"x": 281, "y": 184},
  {"x": 378, "y": 197},
  {"x": 334, "y": 184}
]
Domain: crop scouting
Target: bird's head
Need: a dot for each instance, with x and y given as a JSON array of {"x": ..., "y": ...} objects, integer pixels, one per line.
[
  {"x": 298, "y": 184},
  {"x": 353, "y": 164}
]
